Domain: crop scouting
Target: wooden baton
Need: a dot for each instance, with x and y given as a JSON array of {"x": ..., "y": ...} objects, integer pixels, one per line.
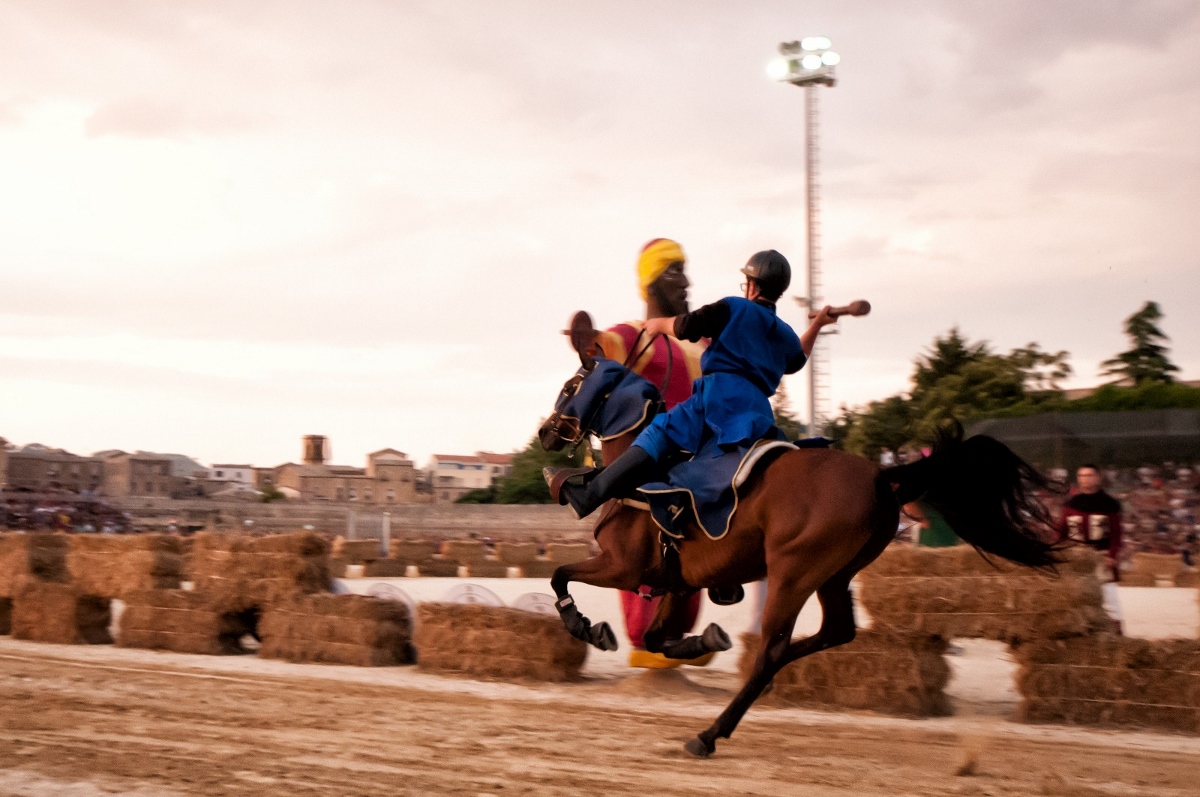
[{"x": 860, "y": 307}]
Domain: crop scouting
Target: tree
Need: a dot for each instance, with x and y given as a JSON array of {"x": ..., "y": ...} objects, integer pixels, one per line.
[
  {"x": 525, "y": 484},
  {"x": 1043, "y": 370},
  {"x": 883, "y": 424},
  {"x": 788, "y": 423},
  {"x": 1146, "y": 361},
  {"x": 956, "y": 379}
]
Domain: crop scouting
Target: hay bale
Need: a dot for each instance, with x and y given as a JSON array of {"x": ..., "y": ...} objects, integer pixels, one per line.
[
  {"x": 954, "y": 592},
  {"x": 464, "y": 552},
  {"x": 412, "y": 552},
  {"x": 47, "y": 611},
  {"x": 565, "y": 553},
  {"x": 1111, "y": 680},
  {"x": 338, "y": 629},
  {"x": 489, "y": 568},
  {"x": 385, "y": 568},
  {"x": 181, "y": 621},
  {"x": 496, "y": 642},
  {"x": 515, "y": 554},
  {"x": 879, "y": 671},
  {"x": 1162, "y": 565},
  {"x": 1190, "y": 578},
  {"x": 540, "y": 568},
  {"x": 31, "y": 557},
  {"x": 355, "y": 551},
  {"x": 435, "y": 567},
  {"x": 111, "y": 565},
  {"x": 243, "y": 573}
]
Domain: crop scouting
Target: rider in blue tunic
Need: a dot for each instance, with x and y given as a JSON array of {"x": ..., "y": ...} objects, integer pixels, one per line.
[{"x": 750, "y": 351}]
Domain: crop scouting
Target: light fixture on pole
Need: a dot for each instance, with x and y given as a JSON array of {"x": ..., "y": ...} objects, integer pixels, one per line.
[{"x": 810, "y": 63}]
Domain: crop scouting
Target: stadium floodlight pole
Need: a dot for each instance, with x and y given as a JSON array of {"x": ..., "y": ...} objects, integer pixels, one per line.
[{"x": 809, "y": 63}]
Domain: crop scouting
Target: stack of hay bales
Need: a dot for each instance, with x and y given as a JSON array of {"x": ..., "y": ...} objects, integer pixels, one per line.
[
  {"x": 1112, "y": 680},
  {"x": 470, "y": 557},
  {"x": 558, "y": 554},
  {"x": 517, "y": 554},
  {"x": 496, "y": 642},
  {"x": 235, "y": 578},
  {"x": 31, "y": 557},
  {"x": 1154, "y": 570},
  {"x": 32, "y": 560},
  {"x": 110, "y": 565},
  {"x": 179, "y": 621},
  {"x": 242, "y": 573},
  {"x": 881, "y": 671},
  {"x": 48, "y": 611},
  {"x": 955, "y": 592},
  {"x": 422, "y": 554},
  {"x": 338, "y": 629}
]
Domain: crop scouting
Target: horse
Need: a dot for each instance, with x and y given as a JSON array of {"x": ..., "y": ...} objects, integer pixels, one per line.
[{"x": 807, "y": 521}]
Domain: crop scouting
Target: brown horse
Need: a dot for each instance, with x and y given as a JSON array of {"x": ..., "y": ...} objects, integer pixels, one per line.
[{"x": 808, "y": 522}]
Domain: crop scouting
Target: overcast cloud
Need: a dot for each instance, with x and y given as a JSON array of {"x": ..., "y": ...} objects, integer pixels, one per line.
[{"x": 225, "y": 225}]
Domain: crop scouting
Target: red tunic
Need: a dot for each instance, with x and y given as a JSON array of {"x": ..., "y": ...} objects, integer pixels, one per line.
[
  {"x": 1093, "y": 520},
  {"x": 675, "y": 364}
]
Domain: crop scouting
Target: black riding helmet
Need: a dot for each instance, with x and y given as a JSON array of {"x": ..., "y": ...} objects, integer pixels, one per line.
[{"x": 771, "y": 271}]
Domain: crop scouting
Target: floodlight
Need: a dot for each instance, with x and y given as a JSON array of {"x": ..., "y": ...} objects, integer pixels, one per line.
[
  {"x": 816, "y": 43},
  {"x": 811, "y": 61},
  {"x": 830, "y": 58},
  {"x": 778, "y": 68}
]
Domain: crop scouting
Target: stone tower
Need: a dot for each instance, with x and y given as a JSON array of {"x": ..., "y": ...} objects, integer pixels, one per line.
[{"x": 316, "y": 449}]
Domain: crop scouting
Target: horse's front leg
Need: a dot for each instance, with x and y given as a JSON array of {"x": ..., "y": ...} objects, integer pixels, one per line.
[
  {"x": 666, "y": 634},
  {"x": 603, "y": 570}
]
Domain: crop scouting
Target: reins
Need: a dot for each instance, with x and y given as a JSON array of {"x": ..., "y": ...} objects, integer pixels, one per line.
[{"x": 585, "y": 425}]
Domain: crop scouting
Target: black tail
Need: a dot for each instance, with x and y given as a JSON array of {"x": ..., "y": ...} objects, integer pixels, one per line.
[{"x": 985, "y": 492}]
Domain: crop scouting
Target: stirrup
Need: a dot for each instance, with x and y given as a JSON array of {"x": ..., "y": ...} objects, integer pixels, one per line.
[{"x": 557, "y": 477}]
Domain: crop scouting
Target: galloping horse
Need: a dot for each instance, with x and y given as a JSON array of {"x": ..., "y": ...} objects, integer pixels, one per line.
[{"x": 808, "y": 521}]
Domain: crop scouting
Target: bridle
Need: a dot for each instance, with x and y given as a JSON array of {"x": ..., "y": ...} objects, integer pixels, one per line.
[{"x": 582, "y": 428}]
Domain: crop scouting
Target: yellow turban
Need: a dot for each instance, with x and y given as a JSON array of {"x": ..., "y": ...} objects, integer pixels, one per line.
[{"x": 656, "y": 256}]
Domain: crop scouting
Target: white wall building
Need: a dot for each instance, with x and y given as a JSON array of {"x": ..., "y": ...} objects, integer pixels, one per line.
[
  {"x": 242, "y": 474},
  {"x": 452, "y": 475}
]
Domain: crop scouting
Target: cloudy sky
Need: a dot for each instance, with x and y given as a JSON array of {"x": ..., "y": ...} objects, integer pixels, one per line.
[{"x": 226, "y": 225}]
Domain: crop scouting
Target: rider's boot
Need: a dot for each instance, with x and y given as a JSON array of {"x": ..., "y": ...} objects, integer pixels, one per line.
[{"x": 586, "y": 490}]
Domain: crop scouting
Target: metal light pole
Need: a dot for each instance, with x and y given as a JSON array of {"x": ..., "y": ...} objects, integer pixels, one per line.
[{"x": 810, "y": 63}]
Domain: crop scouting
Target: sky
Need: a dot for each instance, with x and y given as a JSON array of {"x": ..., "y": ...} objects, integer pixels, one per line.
[{"x": 225, "y": 225}]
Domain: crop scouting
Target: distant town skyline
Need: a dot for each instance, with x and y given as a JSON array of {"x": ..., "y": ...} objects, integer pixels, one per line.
[{"x": 223, "y": 226}]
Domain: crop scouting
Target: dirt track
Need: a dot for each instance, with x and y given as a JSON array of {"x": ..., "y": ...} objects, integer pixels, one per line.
[{"x": 76, "y": 723}]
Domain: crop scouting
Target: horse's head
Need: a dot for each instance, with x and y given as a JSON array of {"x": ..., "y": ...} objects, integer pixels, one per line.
[{"x": 603, "y": 398}]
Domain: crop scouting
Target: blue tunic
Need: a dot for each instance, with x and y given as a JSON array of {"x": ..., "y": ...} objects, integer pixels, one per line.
[{"x": 741, "y": 370}]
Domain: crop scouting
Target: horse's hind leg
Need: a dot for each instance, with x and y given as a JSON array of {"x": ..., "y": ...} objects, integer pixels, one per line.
[
  {"x": 666, "y": 634},
  {"x": 603, "y": 570},
  {"x": 778, "y": 649}
]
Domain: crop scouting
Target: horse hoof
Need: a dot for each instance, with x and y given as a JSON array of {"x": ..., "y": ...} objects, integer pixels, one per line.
[
  {"x": 699, "y": 748},
  {"x": 715, "y": 638},
  {"x": 603, "y": 637}
]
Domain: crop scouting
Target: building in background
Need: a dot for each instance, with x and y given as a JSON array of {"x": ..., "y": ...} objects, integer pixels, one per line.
[
  {"x": 38, "y": 468},
  {"x": 388, "y": 478},
  {"x": 453, "y": 475},
  {"x": 142, "y": 474},
  {"x": 3, "y": 463}
]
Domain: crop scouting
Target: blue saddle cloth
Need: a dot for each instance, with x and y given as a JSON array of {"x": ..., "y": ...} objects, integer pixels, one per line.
[{"x": 704, "y": 489}]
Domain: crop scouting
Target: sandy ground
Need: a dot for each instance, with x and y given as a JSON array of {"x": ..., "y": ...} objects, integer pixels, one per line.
[{"x": 100, "y": 720}]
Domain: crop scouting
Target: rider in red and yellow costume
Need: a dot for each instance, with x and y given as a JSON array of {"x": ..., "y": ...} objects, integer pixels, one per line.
[{"x": 670, "y": 364}]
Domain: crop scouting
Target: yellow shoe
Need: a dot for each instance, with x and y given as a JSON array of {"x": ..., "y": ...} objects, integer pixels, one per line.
[
  {"x": 657, "y": 661},
  {"x": 652, "y": 661}
]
